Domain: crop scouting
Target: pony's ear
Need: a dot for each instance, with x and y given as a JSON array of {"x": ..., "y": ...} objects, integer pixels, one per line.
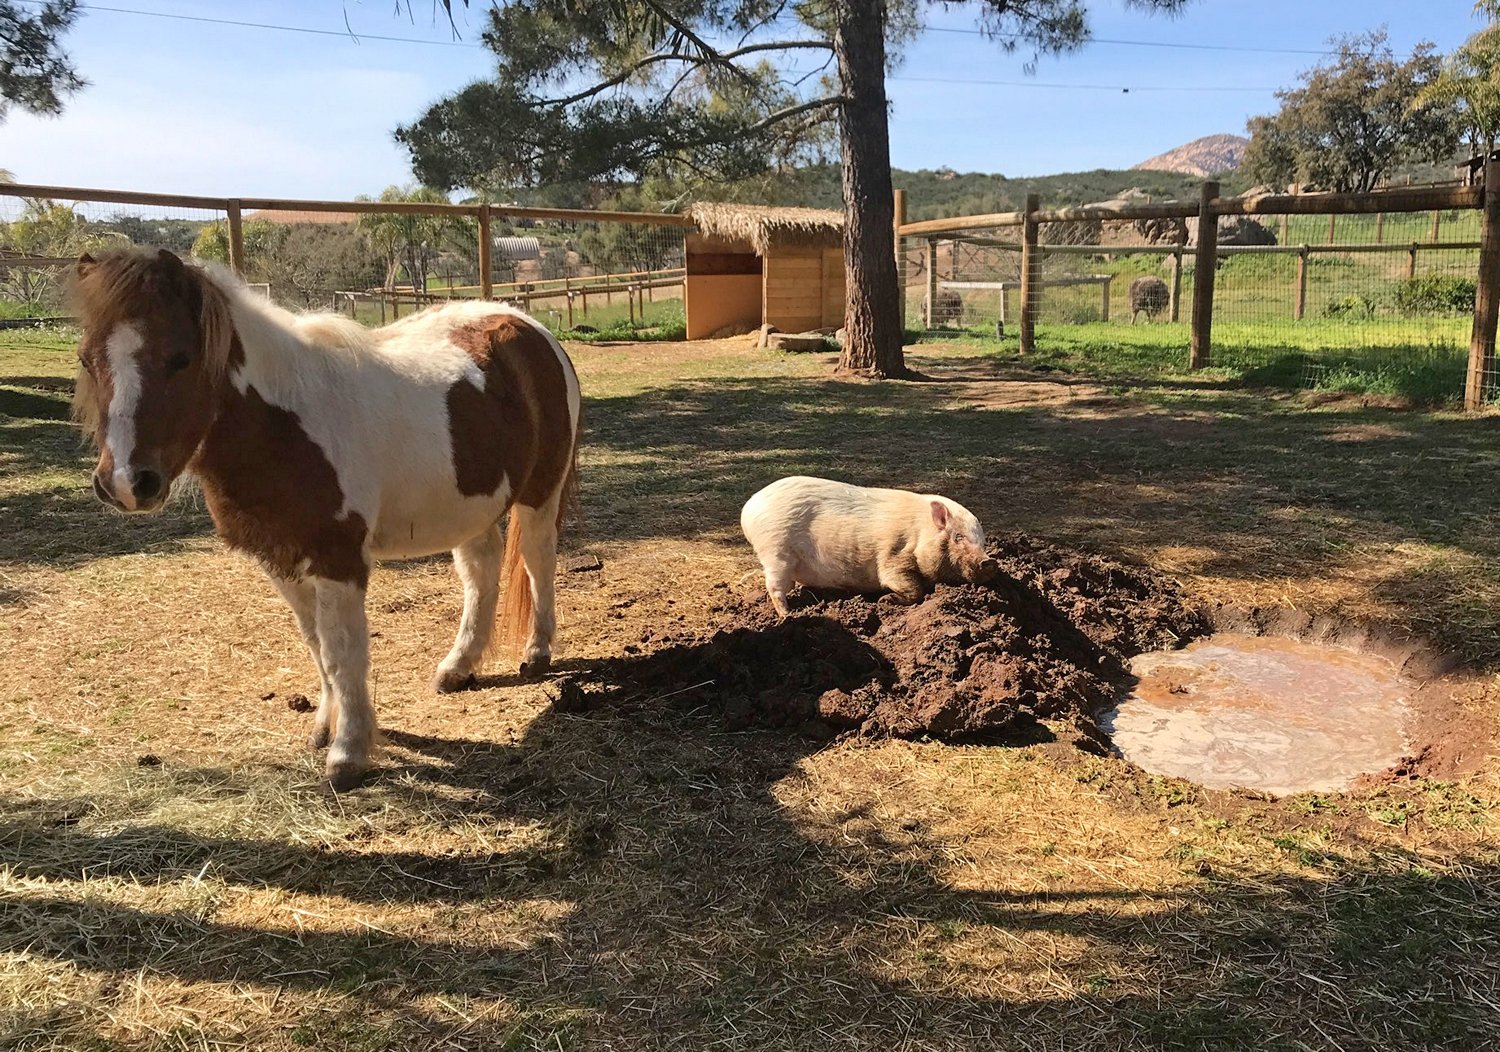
[
  {"x": 86, "y": 263},
  {"x": 170, "y": 261}
]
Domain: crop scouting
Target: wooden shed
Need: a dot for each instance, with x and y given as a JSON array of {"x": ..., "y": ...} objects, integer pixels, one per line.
[{"x": 750, "y": 264}]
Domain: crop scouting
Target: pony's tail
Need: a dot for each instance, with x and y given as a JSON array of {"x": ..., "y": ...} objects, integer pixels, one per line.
[
  {"x": 516, "y": 604},
  {"x": 515, "y": 597}
]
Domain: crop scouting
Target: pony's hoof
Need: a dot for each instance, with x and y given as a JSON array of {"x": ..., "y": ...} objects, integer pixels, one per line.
[
  {"x": 318, "y": 739},
  {"x": 537, "y": 667},
  {"x": 452, "y": 680},
  {"x": 344, "y": 777}
]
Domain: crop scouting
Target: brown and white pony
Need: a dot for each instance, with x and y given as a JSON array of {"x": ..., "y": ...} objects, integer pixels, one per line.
[{"x": 322, "y": 446}]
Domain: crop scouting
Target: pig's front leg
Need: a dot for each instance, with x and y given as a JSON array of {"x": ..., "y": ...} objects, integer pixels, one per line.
[
  {"x": 779, "y": 581},
  {"x": 902, "y": 579}
]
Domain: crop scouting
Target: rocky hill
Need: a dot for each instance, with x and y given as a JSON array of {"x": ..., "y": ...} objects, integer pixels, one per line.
[{"x": 1203, "y": 157}]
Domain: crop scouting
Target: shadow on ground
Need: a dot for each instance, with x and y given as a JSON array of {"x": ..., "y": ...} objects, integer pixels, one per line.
[{"x": 701, "y": 912}]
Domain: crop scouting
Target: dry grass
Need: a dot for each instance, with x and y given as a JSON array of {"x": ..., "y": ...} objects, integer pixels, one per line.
[{"x": 521, "y": 878}]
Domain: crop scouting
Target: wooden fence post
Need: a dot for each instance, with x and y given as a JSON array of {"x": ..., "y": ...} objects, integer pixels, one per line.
[
  {"x": 1104, "y": 304},
  {"x": 1437, "y": 224},
  {"x": 1487, "y": 292},
  {"x": 900, "y": 260},
  {"x": 486, "y": 279},
  {"x": 1301, "y": 307},
  {"x": 236, "y": 239},
  {"x": 1332, "y": 218},
  {"x": 1411, "y": 261},
  {"x": 1286, "y": 224},
  {"x": 1030, "y": 274},
  {"x": 1380, "y": 229},
  {"x": 930, "y": 310},
  {"x": 1205, "y": 264}
]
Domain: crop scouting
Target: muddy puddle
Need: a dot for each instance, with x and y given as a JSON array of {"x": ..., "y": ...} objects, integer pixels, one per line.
[{"x": 1263, "y": 712}]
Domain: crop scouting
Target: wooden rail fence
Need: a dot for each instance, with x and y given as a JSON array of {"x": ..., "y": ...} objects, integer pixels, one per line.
[
  {"x": 235, "y": 207},
  {"x": 1485, "y": 197}
]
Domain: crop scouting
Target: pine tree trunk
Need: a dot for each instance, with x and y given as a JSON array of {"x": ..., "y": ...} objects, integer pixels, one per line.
[{"x": 872, "y": 316}]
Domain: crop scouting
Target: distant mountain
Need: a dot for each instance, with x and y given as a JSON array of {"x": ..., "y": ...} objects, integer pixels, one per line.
[{"x": 1205, "y": 157}]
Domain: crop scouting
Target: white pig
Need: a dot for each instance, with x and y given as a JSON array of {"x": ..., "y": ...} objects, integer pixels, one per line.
[{"x": 826, "y": 534}]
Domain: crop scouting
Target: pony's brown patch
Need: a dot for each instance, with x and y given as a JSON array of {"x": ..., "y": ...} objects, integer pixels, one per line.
[
  {"x": 518, "y": 427},
  {"x": 274, "y": 494}
]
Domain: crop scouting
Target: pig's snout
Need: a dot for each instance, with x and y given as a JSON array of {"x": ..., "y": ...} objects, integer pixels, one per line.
[{"x": 984, "y": 571}]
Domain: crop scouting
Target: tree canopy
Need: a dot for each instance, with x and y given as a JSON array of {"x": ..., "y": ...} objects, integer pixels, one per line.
[
  {"x": 413, "y": 241},
  {"x": 716, "y": 90},
  {"x": 36, "y": 74},
  {"x": 1469, "y": 83},
  {"x": 1354, "y": 119}
]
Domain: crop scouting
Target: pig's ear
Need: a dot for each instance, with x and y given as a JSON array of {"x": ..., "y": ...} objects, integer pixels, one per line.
[{"x": 940, "y": 515}]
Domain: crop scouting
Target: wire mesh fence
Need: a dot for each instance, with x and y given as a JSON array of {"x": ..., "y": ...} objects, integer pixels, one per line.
[
  {"x": 1360, "y": 300},
  {"x": 40, "y": 238},
  {"x": 574, "y": 275},
  {"x": 572, "y": 272}
]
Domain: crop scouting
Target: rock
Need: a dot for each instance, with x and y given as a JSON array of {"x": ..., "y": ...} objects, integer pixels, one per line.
[
  {"x": 800, "y": 342},
  {"x": 583, "y": 564}
]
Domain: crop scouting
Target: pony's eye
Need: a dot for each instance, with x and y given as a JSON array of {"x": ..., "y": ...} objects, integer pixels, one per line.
[{"x": 178, "y": 362}]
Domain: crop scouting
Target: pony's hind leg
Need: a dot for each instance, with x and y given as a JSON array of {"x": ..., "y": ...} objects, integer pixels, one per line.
[
  {"x": 344, "y": 636},
  {"x": 539, "y": 552},
  {"x": 302, "y": 597},
  {"x": 477, "y": 561}
]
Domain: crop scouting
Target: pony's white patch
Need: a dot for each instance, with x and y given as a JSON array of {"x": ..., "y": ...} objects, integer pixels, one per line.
[
  {"x": 375, "y": 401},
  {"x": 125, "y": 379}
]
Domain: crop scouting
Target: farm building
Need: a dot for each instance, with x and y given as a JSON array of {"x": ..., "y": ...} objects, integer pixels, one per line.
[{"x": 749, "y": 265}]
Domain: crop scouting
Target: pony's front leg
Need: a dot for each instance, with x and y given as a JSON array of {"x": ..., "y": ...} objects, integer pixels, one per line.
[
  {"x": 302, "y": 597},
  {"x": 344, "y": 637},
  {"x": 477, "y": 561}
]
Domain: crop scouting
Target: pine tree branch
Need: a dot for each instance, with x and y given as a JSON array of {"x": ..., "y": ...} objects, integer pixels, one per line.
[
  {"x": 764, "y": 124},
  {"x": 693, "y": 62}
]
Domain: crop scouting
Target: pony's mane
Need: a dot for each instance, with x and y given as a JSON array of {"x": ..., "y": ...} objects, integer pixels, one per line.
[{"x": 127, "y": 283}]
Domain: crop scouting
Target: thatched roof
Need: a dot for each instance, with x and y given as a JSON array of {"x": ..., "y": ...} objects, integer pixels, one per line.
[{"x": 765, "y": 226}]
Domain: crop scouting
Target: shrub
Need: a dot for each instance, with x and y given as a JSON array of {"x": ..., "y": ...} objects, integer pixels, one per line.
[
  {"x": 1351, "y": 308},
  {"x": 1435, "y": 294}
]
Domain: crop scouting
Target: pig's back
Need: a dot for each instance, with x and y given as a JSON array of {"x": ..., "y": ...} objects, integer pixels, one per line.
[{"x": 828, "y": 534}]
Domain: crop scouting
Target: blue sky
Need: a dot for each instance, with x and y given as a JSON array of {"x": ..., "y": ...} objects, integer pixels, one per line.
[{"x": 192, "y": 107}]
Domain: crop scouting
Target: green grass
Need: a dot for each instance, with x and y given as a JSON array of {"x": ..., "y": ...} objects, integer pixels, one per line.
[
  {"x": 1375, "y": 357},
  {"x": 1356, "y": 334}
]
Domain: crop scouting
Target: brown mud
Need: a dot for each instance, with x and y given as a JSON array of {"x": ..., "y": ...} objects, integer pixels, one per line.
[{"x": 1049, "y": 642}]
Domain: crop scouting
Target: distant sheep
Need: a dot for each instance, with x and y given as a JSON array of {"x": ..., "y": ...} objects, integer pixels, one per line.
[
  {"x": 947, "y": 308},
  {"x": 1150, "y": 295}
]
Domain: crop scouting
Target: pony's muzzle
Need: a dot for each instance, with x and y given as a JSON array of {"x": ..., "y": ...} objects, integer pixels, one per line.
[{"x": 132, "y": 489}]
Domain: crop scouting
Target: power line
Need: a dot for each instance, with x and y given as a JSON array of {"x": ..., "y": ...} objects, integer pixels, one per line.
[
  {"x": 349, "y": 34},
  {"x": 1011, "y": 38},
  {"x": 1122, "y": 88},
  {"x": 346, "y": 34}
]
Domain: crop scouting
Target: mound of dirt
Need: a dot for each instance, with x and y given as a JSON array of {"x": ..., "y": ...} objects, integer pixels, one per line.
[{"x": 1048, "y": 640}]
